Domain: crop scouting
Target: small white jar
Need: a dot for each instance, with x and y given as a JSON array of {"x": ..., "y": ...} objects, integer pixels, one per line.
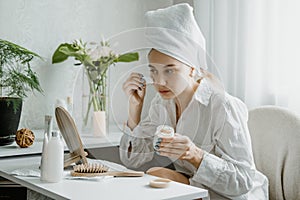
[{"x": 163, "y": 131}]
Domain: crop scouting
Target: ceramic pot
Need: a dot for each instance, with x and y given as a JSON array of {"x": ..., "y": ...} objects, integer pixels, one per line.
[{"x": 10, "y": 109}]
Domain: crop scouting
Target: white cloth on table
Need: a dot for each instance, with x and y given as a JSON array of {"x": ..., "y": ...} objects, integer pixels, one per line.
[{"x": 34, "y": 171}]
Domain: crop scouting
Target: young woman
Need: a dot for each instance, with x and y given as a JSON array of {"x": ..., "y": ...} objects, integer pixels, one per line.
[{"x": 211, "y": 148}]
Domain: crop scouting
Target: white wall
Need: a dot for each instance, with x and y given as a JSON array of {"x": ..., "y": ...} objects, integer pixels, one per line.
[{"x": 42, "y": 25}]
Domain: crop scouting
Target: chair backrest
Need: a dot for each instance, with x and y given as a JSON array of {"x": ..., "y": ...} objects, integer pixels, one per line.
[{"x": 275, "y": 134}]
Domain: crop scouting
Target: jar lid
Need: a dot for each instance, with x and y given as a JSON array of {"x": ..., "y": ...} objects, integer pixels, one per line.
[{"x": 165, "y": 130}]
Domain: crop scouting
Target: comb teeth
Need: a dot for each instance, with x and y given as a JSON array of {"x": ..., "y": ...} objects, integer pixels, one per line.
[{"x": 90, "y": 168}]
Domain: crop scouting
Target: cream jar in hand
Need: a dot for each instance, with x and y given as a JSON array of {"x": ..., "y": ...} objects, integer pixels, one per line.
[{"x": 162, "y": 131}]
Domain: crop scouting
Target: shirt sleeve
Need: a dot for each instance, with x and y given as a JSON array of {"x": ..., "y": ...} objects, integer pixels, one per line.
[
  {"x": 140, "y": 140},
  {"x": 229, "y": 172}
]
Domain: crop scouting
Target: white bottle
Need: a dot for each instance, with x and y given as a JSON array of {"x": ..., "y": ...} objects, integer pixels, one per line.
[{"x": 55, "y": 158}]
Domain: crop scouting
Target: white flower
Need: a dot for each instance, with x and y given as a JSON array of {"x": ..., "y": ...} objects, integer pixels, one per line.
[
  {"x": 78, "y": 44},
  {"x": 105, "y": 51},
  {"x": 94, "y": 54},
  {"x": 100, "y": 51}
]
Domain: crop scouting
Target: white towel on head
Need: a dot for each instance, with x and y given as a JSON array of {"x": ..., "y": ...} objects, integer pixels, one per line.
[{"x": 175, "y": 32}]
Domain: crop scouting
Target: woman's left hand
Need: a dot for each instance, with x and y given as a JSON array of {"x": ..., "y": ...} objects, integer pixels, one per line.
[{"x": 180, "y": 147}]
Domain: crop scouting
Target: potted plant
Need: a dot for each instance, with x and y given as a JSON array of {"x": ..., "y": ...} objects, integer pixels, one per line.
[{"x": 16, "y": 80}]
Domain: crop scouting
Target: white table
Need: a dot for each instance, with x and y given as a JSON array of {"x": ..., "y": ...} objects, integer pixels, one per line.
[{"x": 107, "y": 188}]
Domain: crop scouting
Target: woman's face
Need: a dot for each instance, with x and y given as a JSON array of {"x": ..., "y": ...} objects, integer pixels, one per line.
[{"x": 170, "y": 76}]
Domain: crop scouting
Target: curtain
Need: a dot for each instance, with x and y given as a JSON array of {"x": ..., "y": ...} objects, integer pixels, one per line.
[{"x": 255, "y": 46}]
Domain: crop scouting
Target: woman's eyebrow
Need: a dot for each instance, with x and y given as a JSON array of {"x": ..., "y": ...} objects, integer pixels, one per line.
[{"x": 168, "y": 65}]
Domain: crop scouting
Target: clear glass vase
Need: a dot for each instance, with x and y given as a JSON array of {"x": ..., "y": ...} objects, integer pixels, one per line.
[{"x": 95, "y": 105}]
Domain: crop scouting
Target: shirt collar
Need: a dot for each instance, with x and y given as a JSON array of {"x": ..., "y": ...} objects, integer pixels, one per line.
[{"x": 203, "y": 92}]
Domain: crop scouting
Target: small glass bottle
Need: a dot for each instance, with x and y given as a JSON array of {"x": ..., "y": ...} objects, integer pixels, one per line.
[
  {"x": 47, "y": 131},
  {"x": 48, "y": 125}
]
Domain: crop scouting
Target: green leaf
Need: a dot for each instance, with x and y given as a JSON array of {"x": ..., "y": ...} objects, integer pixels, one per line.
[
  {"x": 127, "y": 57},
  {"x": 62, "y": 53},
  {"x": 78, "y": 55}
]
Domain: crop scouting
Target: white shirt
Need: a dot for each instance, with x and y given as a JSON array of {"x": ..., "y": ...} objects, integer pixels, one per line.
[{"x": 217, "y": 123}]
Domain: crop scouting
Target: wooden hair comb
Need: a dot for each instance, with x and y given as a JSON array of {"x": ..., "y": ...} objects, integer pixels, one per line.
[{"x": 95, "y": 169}]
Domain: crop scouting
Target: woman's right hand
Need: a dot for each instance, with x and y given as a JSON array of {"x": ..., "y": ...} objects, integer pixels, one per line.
[{"x": 135, "y": 88}]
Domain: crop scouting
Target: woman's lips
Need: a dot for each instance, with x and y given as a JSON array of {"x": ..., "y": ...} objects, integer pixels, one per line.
[{"x": 164, "y": 91}]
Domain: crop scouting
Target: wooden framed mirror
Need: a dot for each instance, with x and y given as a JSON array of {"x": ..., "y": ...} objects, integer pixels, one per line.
[{"x": 69, "y": 131}]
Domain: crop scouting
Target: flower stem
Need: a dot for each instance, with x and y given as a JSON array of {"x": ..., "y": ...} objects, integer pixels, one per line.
[
  {"x": 97, "y": 96},
  {"x": 88, "y": 111},
  {"x": 93, "y": 91}
]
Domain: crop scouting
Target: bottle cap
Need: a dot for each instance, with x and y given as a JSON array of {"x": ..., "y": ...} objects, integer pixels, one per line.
[{"x": 55, "y": 133}]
